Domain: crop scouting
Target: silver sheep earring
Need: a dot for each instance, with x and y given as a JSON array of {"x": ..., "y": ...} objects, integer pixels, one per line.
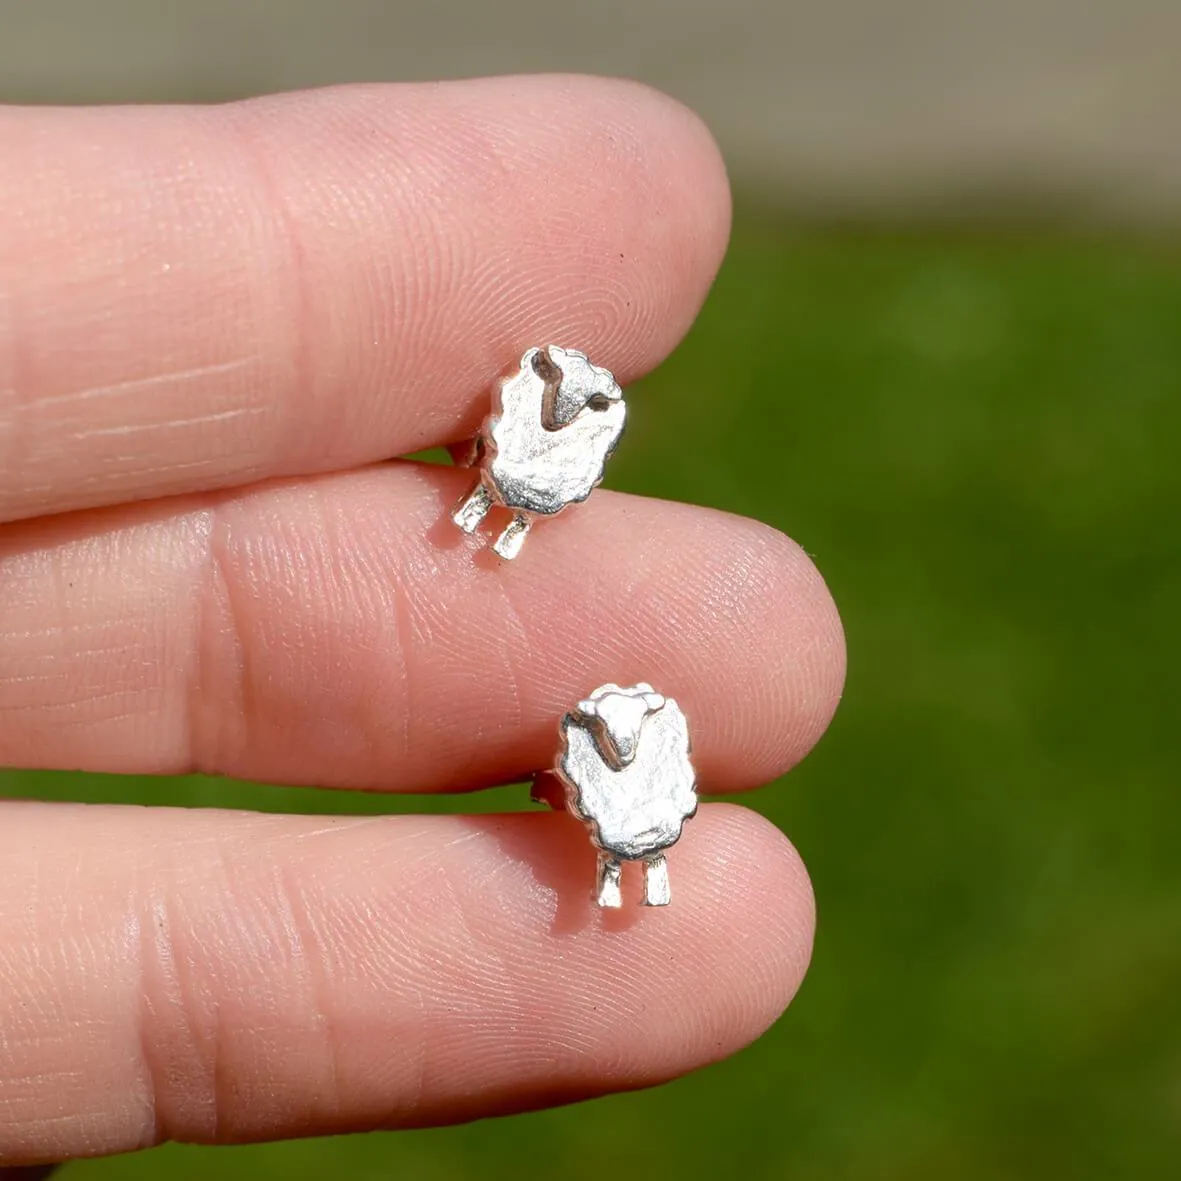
[
  {"x": 553, "y": 425},
  {"x": 625, "y": 767}
]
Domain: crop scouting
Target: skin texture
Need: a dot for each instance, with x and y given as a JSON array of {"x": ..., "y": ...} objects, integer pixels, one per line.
[{"x": 246, "y": 310}]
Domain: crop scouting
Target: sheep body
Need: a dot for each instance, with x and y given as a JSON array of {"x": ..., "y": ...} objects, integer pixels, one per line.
[
  {"x": 626, "y": 769},
  {"x": 553, "y": 425},
  {"x": 540, "y": 460}
]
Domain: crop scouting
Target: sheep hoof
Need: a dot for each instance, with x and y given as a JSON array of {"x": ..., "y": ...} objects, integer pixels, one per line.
[
  {"x": 610, "y": 883},
  {"x": 472, "y": 511},
  {"x": 657, "y": 891},
  {"x": 509, "y": 543}
]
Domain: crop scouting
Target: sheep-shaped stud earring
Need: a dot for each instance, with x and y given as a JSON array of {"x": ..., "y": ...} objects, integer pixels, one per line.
[
  {"x": 554, "y": 423},
  {"x": 625, "y": 767}
]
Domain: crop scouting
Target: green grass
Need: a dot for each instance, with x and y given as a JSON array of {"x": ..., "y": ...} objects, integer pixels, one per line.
[{"x": 978, "y": 439}]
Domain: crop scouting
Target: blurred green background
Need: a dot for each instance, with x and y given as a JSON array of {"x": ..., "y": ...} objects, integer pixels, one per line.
[{"x": 976, "y": 436}]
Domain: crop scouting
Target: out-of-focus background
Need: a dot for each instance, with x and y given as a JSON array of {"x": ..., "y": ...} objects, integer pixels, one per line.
[{"x": 957, "y": 224}]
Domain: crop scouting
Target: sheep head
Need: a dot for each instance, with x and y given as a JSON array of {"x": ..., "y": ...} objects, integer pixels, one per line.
[
  {"x": 615, "y": 717},
  {"x": 572, "y": 384}
]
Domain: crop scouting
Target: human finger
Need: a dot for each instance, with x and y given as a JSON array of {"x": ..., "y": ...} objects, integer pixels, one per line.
[
  {"x": 220, "y": 977},
  {"x": 341, "y": 631},
  {"x": 195, "y": 297}
]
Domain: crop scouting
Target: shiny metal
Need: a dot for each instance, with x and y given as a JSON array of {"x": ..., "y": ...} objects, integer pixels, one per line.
[
  {"x": 625, "y": 767},
  {"x": 554, "y": 422}
]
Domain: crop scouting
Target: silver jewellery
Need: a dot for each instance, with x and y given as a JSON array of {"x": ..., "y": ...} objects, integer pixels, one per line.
[
  {"x": 625, "y": 767},
  {"x": 553, "y": 424},
  {"x": 624, "y": 762}
]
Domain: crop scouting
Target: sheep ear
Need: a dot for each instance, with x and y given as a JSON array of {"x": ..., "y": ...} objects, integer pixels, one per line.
[
  {"x": 543, "y": 364},
  {"x": 588, "y": 708},
  {"x": 654, "y": 701}
]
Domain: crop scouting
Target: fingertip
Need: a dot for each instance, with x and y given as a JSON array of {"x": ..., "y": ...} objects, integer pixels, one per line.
[
  {"x": 685, "y": 210},
  {"x": 649, "y": 184},
  {"x": 684, "y": 159},
  {"x": 764, "y": 884},
  {"x": 705, "y": 976},
  {"x": 805, "y": 653},
  {"x": 622, "y": 182},
  {"x": 750, "y": 638}
]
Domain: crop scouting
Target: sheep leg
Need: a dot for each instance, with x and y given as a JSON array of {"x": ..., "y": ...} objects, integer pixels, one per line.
[
  {"x": 473, "y": 510},
  {"x": 509, "y": 543},
  {"x": 610, "y": 882},
  {"x": 657, "y": 891}
]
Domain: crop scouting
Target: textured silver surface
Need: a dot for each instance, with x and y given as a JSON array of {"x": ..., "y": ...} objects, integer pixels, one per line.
[
  {"x": 625, "y": 766},
  {"x": 554, "y": 422}
]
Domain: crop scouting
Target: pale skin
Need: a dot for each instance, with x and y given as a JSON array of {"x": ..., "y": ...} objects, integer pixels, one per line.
[{"x": 214, "y": 322}]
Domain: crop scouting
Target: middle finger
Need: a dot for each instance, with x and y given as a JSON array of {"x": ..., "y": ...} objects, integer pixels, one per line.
[{"x": 340, "y": 631}]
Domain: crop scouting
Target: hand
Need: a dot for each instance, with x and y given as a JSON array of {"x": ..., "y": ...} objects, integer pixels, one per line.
[{"x": 213, "y": 323}]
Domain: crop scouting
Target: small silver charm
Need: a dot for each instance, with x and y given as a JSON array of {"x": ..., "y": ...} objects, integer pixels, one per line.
[
  {"x": 553, "y": 424},
  {"x": 626, "y": 770}
]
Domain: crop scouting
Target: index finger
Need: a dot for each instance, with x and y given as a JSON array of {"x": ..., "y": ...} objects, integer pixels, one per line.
[{"x": 193, "y": 298}]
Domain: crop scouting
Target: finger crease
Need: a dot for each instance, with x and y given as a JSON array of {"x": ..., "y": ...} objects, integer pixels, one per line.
[{"x": 310, "y": 436}]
